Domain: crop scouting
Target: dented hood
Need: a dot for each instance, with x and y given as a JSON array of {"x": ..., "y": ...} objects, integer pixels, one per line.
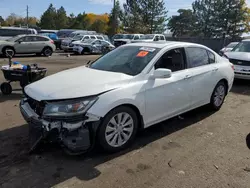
[{"x": 75, "y": 83}]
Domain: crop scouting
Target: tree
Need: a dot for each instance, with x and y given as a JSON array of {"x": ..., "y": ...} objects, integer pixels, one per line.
[
  {"x": 2, "y": 21},
  {"x": 79, "y": 22},
  {"x": 146, "y": 16},
  {"x": 114, "y": 19},
  {"x": 99, "y": 26},
  {"x": 48, "y": 19},
  {"x": 231, "y": 17},
  {"x": 61, "y": 20},
  {"x": 215, "y": 17},
  {"x": 184, "y": 24},
  {"x": 204, "y": 11},
  {"x": 154, "y": 15},
  {"x": 132, "y": 20}
]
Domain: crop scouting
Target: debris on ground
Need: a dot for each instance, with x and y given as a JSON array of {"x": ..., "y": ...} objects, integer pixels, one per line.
[
  {"x": 181, "y": 172},
  {"x": 247, "y": 169},
  {"x": 216, "y": 167},
  {"x": 169, "y": 163}
]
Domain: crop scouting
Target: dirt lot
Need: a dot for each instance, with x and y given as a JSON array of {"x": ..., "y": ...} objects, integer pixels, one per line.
[{"x": 201, "y": 149}]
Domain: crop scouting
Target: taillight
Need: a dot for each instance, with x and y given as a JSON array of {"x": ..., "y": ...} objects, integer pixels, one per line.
[{"x": 52, "y": 41}]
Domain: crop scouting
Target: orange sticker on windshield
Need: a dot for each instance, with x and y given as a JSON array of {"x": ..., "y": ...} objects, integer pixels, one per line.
[{"x": 142, "y": 54}]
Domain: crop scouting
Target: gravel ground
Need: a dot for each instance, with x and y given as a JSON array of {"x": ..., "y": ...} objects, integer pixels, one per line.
[{"x": 201, "y": 149}]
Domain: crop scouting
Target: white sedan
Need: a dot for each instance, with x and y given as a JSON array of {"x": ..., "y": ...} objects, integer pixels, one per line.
[
  {"x": 134, "y": 86},
  {"x": 240, "y": 57}
]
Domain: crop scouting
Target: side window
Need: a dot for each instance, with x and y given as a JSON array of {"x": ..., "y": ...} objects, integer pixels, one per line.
[
  {"x": 197, "y": 56},
  {"x": 86, "y": 37},
  {"x": 41, "y": 39},
  {"x": 211, "y": 57},
  {"x": 157, "y": 38},
  {"x": 104, "y": 43},
  {"x": 92, "y": 37},
  {"x": 162, "y": 37},
  {"x": 136, "y": 37},
  {"x": 173, "y": 60},
  {"x": 100, "y": 37},
  {"x": 28, "y": 39}
]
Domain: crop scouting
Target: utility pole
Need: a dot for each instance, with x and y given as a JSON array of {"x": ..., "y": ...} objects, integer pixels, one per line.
[
  {"x": 27, "y": 17},
  {"x": 114, "y": 17}
]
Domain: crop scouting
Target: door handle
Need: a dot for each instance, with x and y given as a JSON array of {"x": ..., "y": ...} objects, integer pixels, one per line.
[
  {"x": 215, "y": 69},
  {"x": 187, "y": 77}
]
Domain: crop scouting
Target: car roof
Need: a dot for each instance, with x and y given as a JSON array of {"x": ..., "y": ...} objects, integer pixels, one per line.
[{"x": 163, "y": 44}]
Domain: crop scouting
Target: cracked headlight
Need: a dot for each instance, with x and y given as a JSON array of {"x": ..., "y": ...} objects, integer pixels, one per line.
[{"x": 68, "y": 107}]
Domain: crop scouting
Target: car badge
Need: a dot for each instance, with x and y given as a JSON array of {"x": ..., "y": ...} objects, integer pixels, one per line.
[{"x": 239, "y": 62}]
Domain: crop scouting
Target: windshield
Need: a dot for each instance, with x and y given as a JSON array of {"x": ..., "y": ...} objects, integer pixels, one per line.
[
  {"x": 243, "y": 46},
  {"x": 120, "y": 36},
  {"x": 147, "y": 37},
  {"x": 78, "y": 37},
  {"x": 232, "y": 45},
  {"x": 129, "y": 60}
]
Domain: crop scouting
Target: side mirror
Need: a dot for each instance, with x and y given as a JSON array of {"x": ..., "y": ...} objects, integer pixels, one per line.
[
  {"x": 20, "y": 41},
  {"x": 161, "y": 73}
]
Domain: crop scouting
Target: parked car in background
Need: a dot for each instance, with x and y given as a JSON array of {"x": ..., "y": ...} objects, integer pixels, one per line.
[
  {"x": 92, "y": 46},
  {"x": 28, "y": 44},
  {"x": 240, "y": 57},
  {"x": 132, "y": 87},
  {"x": 121, "y": 39},
  {"x": 228, "y": 48},
  {"x": 67, "y": 44},
  {"x": 151, "y": 37},
  {"x": 52, "y": 36},
  {"x": 47, "y": 31},
  {"x": 8, "y": 32}
]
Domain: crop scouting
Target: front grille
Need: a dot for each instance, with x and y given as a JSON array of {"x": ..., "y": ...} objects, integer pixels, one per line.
[
  {"x": 71, "y": 45},
  {"x": 240, "y": 62},
  {"x": 37, "y": 106}
]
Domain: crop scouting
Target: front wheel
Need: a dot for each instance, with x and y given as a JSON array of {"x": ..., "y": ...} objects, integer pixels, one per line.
[
  {"x": 218, "y": 96},
  {"x": 118, "y": 129},
  {"x": 6, "y": 88}
]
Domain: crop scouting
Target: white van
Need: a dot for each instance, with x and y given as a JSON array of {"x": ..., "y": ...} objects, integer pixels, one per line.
[{"x": 8, "y": 32}]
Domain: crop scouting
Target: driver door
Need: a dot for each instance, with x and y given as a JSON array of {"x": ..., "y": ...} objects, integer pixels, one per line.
[
  {"x": 167, "y": 97},
  {"x": 24, "y": 45}
]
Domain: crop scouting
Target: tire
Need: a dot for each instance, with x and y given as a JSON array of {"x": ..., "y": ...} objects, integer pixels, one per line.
[
  {"x": 85, "y": 51},
  {"x": 109, "y": 134},
  {"x": 10, "y": 49},
  {"x": 47, "y": 51},
  {"x": 218, "y": 96},
  {"x": 6, "y": 88}
]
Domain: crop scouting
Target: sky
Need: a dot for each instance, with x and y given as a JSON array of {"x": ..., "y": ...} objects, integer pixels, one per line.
[{"x": 37, "y": 7}]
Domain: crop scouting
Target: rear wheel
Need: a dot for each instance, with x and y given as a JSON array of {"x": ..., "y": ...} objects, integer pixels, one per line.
[
  {"x": 218, "y": 96},
  {"x": 6, "y": 88},
  {"x": 47, "y": 51},
  {"x": 86, "y": 51},
  {"x": 118, "y": 129}
]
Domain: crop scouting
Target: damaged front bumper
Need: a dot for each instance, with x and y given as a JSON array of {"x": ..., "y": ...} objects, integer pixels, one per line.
[{"x": 75, "y": 136}]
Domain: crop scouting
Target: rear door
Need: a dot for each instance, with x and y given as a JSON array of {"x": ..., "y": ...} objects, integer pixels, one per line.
[
  {"x": 39, "y": 43},
  {"x": 203, "y": 74}
]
